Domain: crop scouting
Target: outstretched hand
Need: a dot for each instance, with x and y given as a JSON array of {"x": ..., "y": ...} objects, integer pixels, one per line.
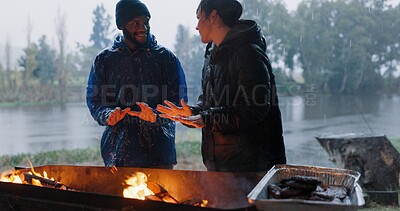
[
  {"x": 173, "y": 110},
  {"x": 194, "y": 121},
  {"x": 116, "y": 115},
  {"x": 145, "y": 114}
]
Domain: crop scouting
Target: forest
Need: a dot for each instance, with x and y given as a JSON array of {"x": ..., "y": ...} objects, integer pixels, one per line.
[{"x": 337, "y": 47}]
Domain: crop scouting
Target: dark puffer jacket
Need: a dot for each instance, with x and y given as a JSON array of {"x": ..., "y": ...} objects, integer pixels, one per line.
[
  {"x": 239, "y": 104},
  {"x": 120, "y": 78}
]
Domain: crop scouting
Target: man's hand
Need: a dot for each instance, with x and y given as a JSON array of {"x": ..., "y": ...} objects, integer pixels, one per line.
[
  {"x": 145, "y": 114},
  {"x": 194, "y": 121},
  {"x": 116, "y": 115},
  {"x": 174, "y": 110}
]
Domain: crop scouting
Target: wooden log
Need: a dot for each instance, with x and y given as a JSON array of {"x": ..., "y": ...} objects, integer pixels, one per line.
[
  {"x": 374, "y": 157},
  {"x": 45, "y": 182},
  {"x": 161, "y": 192}
]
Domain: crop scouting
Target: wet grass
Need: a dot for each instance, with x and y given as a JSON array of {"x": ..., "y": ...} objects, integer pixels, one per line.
[{"x": 189, "y": 157}]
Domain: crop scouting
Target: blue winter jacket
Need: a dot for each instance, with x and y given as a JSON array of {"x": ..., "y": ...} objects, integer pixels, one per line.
[{"x": 120, "y": 78}]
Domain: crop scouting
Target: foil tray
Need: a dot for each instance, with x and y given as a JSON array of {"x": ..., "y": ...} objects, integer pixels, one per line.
[{"x": 330, "y": 176}]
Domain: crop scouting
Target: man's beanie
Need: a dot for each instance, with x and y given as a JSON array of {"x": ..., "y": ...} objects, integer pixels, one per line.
[{"x": 126, "y": 10}]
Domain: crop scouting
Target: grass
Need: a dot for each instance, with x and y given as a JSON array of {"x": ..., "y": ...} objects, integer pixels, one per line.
[
  {"x": 188, "y": 152},
  {"x": 59, "y": 157},
  {"x": 189, "y": 157}
]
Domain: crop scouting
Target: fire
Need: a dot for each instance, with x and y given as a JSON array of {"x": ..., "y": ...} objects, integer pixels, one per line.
[
  {"x": 203, "y": 203},
  {"x": 137, "y": 187},
  {"x": 10, "y": 176},
  {"x": 13, "y": 176}
]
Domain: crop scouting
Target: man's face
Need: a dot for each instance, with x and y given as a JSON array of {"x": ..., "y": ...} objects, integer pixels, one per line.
[
  {"x": 138, "y": 29},
  {"x": 204, "y": 27}
]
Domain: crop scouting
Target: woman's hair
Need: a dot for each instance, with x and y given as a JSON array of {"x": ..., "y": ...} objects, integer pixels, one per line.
[{"x": 228, "y": 10}]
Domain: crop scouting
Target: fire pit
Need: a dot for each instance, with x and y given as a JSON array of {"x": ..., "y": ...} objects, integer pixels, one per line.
[{"x": 94, "y": 188}]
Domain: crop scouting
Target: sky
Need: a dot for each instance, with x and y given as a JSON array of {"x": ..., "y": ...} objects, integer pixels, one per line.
[{"x": 166, "y": 15}]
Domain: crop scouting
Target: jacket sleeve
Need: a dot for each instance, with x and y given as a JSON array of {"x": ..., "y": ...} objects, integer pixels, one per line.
[
  {"x": 96, "y": 102},
  {"x": 252, "y": 97}
]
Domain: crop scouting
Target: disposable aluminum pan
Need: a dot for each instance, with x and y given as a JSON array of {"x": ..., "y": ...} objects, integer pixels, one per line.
[{"x": 329, "y": 176}]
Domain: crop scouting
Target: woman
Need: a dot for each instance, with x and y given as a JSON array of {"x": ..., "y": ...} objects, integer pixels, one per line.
[{"x": 238, "y": 109}]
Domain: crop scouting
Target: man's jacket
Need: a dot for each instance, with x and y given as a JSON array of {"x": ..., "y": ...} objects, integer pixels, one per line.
[{"x": 121, "y": 77}]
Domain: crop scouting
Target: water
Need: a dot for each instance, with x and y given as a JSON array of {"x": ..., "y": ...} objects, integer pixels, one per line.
[{"x": 35, "y": 129}]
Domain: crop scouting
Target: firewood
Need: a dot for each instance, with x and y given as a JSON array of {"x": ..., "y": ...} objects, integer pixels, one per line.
[
  {"x": 45, "y": 182},
  {"x": 161, "y": 192}
]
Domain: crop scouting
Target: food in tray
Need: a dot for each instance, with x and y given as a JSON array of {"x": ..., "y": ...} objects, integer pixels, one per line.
[{"x": 308, "y": 188}]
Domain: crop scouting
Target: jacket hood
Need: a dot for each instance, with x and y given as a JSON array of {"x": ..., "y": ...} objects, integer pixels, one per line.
[
  {"x": 119, "y": 42},
  {"x": 245, "y": 32}
]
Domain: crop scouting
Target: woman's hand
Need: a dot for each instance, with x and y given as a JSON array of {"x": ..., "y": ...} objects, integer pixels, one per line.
[
  {"x": 173, "y": 110},
  {"x": 116, "y": 115},
  {"x": 145, "y": 114},
  {"x": 194, "y": 121}
]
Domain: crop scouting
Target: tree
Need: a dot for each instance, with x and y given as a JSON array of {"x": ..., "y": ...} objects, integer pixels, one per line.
[
  {"x": 99, "y": 39},
  {"x": 277, "y": 25},
  {"x": 28, "y": 63},
  {"x": 46, "y": 67},
  {"x": 8, "y": 53},
  {"x": 61, "y": 36},
  {"x": 2, "y": 79},
  {"x": 190, "y": 51},
  {"x": 101, "y": 28}
]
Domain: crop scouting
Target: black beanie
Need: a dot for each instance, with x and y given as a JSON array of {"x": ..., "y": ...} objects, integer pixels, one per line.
[{"x": 126, "y": 10}]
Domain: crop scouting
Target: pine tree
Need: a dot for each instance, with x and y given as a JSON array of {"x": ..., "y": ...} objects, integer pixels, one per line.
[
  {"x": 46, "y": 71},
  {"x": 101, "y": 28}
]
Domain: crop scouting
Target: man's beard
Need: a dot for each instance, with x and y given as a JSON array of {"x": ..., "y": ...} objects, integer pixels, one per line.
[{"x": 133, "y": 40}]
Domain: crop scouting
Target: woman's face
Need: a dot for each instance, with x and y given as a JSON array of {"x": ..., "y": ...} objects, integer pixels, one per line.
[{"x": 204, "y": 27}]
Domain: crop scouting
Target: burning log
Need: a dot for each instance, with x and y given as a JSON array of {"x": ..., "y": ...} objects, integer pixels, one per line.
[
  {"x": 29, "y": 178},
  {"x": 160, "y": 192}
]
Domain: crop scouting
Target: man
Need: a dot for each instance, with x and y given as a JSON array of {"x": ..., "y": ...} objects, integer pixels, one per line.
[
  {"x": 125, "y": 84},
  {"x": 238, "y": 109}
]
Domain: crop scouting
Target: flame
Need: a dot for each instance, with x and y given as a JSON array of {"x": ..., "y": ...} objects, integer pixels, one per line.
[
  {"x": 137, "y": 187},
  {"x": 10, "y": 176},
  {"x": 13, "y": 176},
  {"x": 204, "y": 204}
]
